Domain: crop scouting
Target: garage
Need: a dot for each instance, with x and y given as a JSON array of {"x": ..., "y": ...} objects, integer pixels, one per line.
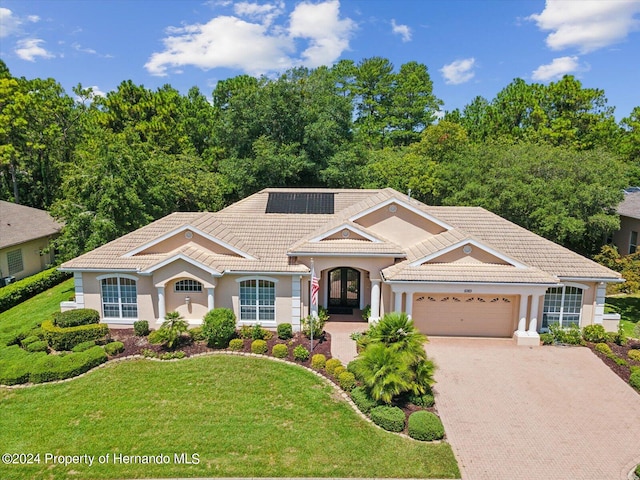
[{"x": 465, "y": 315}]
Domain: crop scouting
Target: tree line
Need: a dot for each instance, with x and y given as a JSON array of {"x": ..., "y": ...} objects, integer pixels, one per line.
[{"x": 551, "y": 158}]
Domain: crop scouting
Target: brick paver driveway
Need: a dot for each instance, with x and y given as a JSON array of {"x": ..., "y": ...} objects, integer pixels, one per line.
[{"x": 534, "y": 413}]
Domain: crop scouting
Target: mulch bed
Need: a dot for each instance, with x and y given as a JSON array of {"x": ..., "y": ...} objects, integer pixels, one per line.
[{"x": 624, "y": 372}]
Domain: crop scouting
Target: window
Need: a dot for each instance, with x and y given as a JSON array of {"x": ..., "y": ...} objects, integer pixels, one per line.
[
  {"x": 119, "y": 297},
  {"x": 14, "y": 260},
  {"x": 257, "y": 301},
  {"x": 188, "y": 286},
  {"x": 633, "y": 243},
  {"x": 562, "y": 306}
]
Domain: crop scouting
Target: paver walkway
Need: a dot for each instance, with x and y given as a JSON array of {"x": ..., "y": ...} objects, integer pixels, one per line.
[
  {"x": 342, "y": 347},
  {"x": 534, "y": 413}
]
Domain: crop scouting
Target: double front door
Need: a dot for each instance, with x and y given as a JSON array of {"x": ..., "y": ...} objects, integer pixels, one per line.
[{"x": 344, "y": 290}]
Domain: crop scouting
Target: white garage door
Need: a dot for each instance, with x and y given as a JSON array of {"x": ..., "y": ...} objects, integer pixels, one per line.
[{"x": 464, "y": 315}]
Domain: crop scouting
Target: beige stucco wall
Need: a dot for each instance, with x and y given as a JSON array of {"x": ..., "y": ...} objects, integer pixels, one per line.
[
  {"x": 402, "y": 227},
  {"x": 178, "y": 240},
  {"x": 32, "y": 261},
  {"x": 476, "y": 256},
  {"x": 621, "y": 237}
]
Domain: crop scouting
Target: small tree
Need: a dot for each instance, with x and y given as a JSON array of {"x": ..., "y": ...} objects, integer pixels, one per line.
[
  {"x": 172, "y": 329},
  {"x": 219, "y": 327}
]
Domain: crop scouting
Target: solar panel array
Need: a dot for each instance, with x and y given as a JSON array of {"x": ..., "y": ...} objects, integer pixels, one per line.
[{"x": 297, "y": 202}]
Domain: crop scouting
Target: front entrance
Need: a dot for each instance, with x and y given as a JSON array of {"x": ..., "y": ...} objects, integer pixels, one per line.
[{"x": 344, "y": 290}]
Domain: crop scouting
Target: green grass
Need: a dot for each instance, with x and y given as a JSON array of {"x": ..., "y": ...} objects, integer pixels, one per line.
[
  {"x": 628, "y": 306},
  {"x": 32, "y": 312},
  {"x": 243, "y": 416}
]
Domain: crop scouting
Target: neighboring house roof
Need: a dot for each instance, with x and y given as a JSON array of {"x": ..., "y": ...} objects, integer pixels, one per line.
[
  {"x": 630, "y": 206},
  {"x": 245, "y": 238},
  {"x": 20, "y": 224}
]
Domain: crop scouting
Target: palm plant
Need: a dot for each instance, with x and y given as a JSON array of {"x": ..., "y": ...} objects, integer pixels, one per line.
[
  {"x": 396, "y": 331},
  {"x": 172, "y": 329},
  {"x": 383, "y": 372}
]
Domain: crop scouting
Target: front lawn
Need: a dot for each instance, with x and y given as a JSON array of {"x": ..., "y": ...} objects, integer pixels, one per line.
[
  {"x": 628, "y": 306},
  {"x": 242, "y": 416}
]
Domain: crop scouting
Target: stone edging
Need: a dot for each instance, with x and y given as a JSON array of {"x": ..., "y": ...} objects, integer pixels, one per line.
[{"x": 344, "y": 395}]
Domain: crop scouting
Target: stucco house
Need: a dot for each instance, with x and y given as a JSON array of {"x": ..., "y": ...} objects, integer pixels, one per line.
[
  {"x": 626, "y": 239},
  {"x": 455, "y": 270},
  {"x": 25, "y": 233}
]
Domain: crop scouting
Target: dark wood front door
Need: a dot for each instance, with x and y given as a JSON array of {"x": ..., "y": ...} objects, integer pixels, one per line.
[{"x": 344, "y": 290}]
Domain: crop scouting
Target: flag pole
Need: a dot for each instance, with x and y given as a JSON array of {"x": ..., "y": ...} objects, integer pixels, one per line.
[{"x": 315, "y": 288}]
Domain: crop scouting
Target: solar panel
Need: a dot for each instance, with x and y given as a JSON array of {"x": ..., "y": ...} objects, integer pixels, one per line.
[{"x": 300, "y": 202}]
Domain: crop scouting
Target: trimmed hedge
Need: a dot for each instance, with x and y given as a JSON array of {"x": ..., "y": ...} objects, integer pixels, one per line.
[
  {"x": 141, "y": 328},
  {"x": 426, "y": 400},
  {"x": 259, "y": 347},
  {"x": 300, "y": 353},
  {"x": 22, "y": 290},
  {"x": 425, "y": 426},
  {"x": 603, "y": 348},
  {"x": 59, "y": 367},
  {"x": 81, "y": 347},
  {"x": 285, "y": 331},
  {"x": 114, "y": 348},
  {"x": 67, "y": 338},
  {"x": 594, "y": 333},
  {"x": 634, "y": 380},
  {"x": 331, "y": 365},
  {"x": 347, "y": 381},
  {"x": 77, "y": 317},
  {"x": 389, "y": 418},
  {"x": 318, "y": 361},
  {"x": 219, "y": 326},
  {"x": 362, "y": 399},
  {"x": 280, "y": 350},
  {"x": 38, "y": 346},
  {"x": 15, "y": 364},
  {"x": 30, "y": 339},
  {"x": 236, "y": 344},
  {"x": 632, "y": 354}
]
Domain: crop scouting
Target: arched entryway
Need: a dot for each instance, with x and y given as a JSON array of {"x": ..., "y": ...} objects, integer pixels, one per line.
[{"x": 343, "y": 290}]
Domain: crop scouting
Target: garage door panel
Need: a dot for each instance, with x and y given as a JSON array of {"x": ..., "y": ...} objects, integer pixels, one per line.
[{"x": 464, "y": 315}]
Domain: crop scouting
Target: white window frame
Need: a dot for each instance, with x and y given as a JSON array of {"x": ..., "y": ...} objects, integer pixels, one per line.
[
  {"x": 188, "y": 285},
  {"x": 563, "y": 315},
  {"x": 14, "y": 263},
  {"x": 120, "y": 303},
  {"x": 266, "y": 308},
  {"x": 633, "y": 243}
]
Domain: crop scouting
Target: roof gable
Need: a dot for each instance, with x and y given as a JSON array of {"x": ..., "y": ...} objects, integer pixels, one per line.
[
  {"x": 468, "y": 251},
  {"x": 346, "y": 231},
  {"x": 20, "y": 224}
]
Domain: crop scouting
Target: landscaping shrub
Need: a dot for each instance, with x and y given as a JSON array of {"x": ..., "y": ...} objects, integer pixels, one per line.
[
  {"x": 568, "y": 336},
  {"x": 37, "y": 346},
  {"x": 28, "y": 340},
  {"x": 141, "y": 328},
  {"x": 60, "y": 338},
  {"x": 594, "y": 333},
  {"x": 219, "y": 326},
  {"x": 352, "y": 367},
  {"x": 603, "y": 348},
  {"x": 245, "y": 331},
  {"x": 620, "y": 338},
  {"x": 300, "y": 353},
  {"x": 389, "y": 418},
  {"x": 114, "y": 348},
  {"x": 77, "y": 317},
  {"x": 57, "y": 367},
  {"x": 259, "y": 346},
  {"x": 171, "y": 331},
  {"x": 172, "y": 355},
  {"x": 362, "y": 399},
  {"x": 637, "y": 471},
  {"x": 285, "y": 331},
  {"x": 425, "y": 426},
  {"x": 15, "y": 364},
  {"x": 634, "y": 380},
  {"x": 318, "y": 324},
  {"x": 618, "y": 360},
  {"x": 81, "y": 347},
  {"x": 331, "y": 365},
  {"x": 280, "y": 351},
  {"x": 426, "y": 400},
  {"x": 546, "y": 338},
  {"x": 634, "y": 355},
  {"x": 18, "y": 292},
  {"x": 257, "y": 332},
  {"x": 236, "y": 344},
  {"x": 347, "y": 381},
  {"x": 318, "y": 361},
  {"x": 196, "y": 334},
  {"x": 611, "y": 337},
  {"x": 338, "y": 370}
]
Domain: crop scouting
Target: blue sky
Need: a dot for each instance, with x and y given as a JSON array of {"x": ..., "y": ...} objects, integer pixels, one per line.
[{"x": 471, "y": 47}]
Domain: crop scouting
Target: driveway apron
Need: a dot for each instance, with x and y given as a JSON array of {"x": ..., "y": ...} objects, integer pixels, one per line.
[{"x": 534, "y": 412}]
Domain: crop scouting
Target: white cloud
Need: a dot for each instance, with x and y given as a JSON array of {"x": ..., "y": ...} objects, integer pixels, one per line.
[
  {"x": 9, "y": 23},
  {"x": 33, "y": 18},
  {"x": 96, "y": 92},
  {"x": 556, "y": 69},
  {"x": 29, "y": 48},
  {"x": 403, "y": 30},
  {"x": 80, "y": 48},
  {"x": 587, "y": 25},
  {"x": 458, "y": 72},
  {"x": 255, "y": 46}
]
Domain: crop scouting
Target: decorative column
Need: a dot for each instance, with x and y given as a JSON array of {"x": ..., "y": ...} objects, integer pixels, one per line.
[
  {"x": 79, "y": 289},
  {"x": 535, "y": 306},
  {"x": 409, "y": 304},
  {"x": 398, "y": 302},
  {"x": 161, "y": 306},
  {"x": 522, "y": 316},
  {"x": 601, "y": 293},
  {"x": 296, "y": 292},
  {"x": 211, "y": 302},
  {"x": 375, "y": 301}
]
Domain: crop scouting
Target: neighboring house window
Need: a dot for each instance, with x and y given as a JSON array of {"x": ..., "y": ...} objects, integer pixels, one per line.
[
  {"x": 562, "y": 306},
  {"x": 14, "y": 259},
  {"x": 188, "y": 286},
  {"x": 257, "y": 301},
  {"x": 119, "y": 297},
  {"x": 633, "y": 243}
]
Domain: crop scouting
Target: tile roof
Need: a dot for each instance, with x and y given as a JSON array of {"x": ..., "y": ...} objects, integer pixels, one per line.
[
  {"x": 19, "y": 224},
  {"x": 274, "y": 239},
  {"x": 630, "y": 206}
]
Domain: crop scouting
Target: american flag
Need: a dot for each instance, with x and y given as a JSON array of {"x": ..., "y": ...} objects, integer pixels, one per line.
[{"x": 315, "y": 287}]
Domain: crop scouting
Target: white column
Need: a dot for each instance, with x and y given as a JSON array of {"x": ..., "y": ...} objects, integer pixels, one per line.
[
  {"x": 522, "y": 316},
  {"x": 211, "y": 299},
  {"x": 295, "y": 303},
  {"x": 161, "y": 306},
  {"x": 398, "y": 302},
  {"x": 79, "y": 289},
  {"x": 601, "y": 293},
  {"x": 409, "y": 304},
  {"x": 533, "y": 322},
  {"x": 375, "y": 301}
]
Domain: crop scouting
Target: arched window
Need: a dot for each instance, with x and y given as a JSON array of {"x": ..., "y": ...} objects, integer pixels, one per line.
[
  {"x": 562, "y": 306},
  {"x": 119, "y": 297},
  {"x": 187, "y": 286},
  {"x": 257, "y": 301}
]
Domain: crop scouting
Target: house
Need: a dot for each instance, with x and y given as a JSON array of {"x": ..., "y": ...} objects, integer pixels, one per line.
[
  {"x": 626, "y": 239},
  {"x": 455, "y": 270},
  {"x": 25, "y": 233}
]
